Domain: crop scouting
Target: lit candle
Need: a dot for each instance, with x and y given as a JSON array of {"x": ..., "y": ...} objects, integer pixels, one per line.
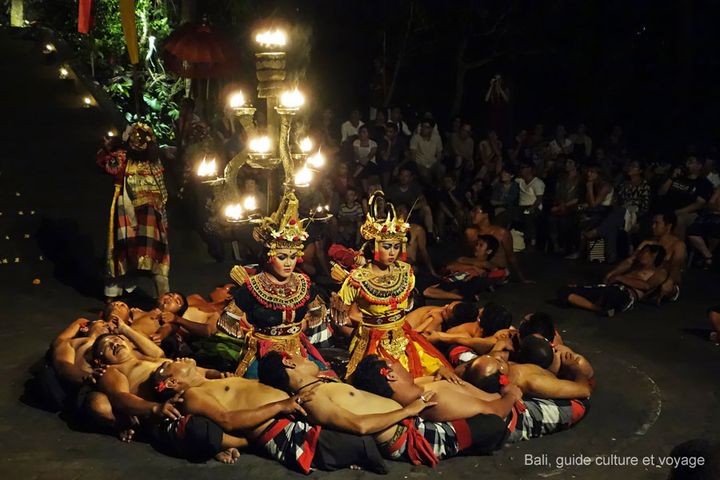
[
  {"x": 271, "y": 38},
  {"x": 87, "y": 101},
  {"x": 303, "y": 177},
  {"x": 49, "y": 48},
  {"x": 292, "y": 99},
  {"x": 233, "y": 211},
  {"x": 260, "y": 144},
  {"x": 207, "y": 169},
  {"x": 316, "y": 161},
  {"x": 250, "y": 203},
  {"x": 110, "y": 134},
  {"x": 64, "y": 73},
  {"x": 237, "y": 100},
  {"x": 306, "y": 144}
]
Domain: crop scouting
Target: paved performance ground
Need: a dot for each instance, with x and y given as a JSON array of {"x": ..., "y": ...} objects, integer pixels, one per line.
[{"x": 657, "y": 374}]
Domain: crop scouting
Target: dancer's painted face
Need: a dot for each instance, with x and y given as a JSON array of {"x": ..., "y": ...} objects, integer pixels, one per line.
[
  {"x": 388, "y": 252},
  {"x": 283, "y": 263}
]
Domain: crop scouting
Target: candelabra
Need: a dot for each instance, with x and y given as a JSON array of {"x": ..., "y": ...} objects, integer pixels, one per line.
[{"x": 276, "y": 146}]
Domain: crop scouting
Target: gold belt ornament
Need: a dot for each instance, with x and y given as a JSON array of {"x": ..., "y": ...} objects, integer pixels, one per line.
[
  {"x": 381, "y": 321},
  {"x": 393, "y": 341},
  {"x": 278, "y": 343}
]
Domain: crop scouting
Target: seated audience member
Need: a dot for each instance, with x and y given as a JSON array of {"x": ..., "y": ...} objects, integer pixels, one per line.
[
  {"x": 675, "y": 254},
  {"x": 341, "y": 406},
  {"x": 246, "y": 409},
  {"x": 685, "y": 192},
  {"x": 450, "y": 212},
  {"x": 563, "y": 218},
  {"x": 416, "y": 250},
  {"x": 408, "y": 192},
  {"x": 460, "y": 147},
  {"x": 349, "y": 128},
  {"x": 526, "y": 419},
  {"x": 391, "y": 153},
  {"x": 467, "y": 277},
  {"x": 634, "y": 194},
  {"x": 714, "y": 317},
  {"x": 426, "y": 151},
  {"x": 622, "y": 290},
  {"x": 505, "y": 256},
  {"x": 349, "y": 219},
  {"x": 600, "y": 218},
  {"x": 364, "y": 151},
  {"x": 531, "y": 191},
  {"x": 704, "y": 232},
  {"x": 504, "y": 198}
]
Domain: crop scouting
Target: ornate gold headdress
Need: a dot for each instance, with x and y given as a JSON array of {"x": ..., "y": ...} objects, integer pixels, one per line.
[
  {"x": 140, "y": 135},
  {"x": 283, "y": 229},
  {"x": 391, "y": 228}
]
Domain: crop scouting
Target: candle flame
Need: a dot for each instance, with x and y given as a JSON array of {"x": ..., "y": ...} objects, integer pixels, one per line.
[
  {"x": 260, "y": 144},
  {"x": 303, "y": 177},
  {"x": 233, "y": 211},
  {"x": 64, "y": 72},
  {"x": 250, "y": 203},
  {"x": 237, "y": 100},
  {"x": 316, "y": 161},
  {"x": 207, "y": 169},
  {"x": 306, "y": 144},
  {"x": 271, "y": 38},
  {"x": 292, "y": 99}
]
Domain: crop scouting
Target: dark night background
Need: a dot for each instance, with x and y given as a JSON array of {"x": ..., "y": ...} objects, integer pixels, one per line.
[{"x": 649, "y": 66}]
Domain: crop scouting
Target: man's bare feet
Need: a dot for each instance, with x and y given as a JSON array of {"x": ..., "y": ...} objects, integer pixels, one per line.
[{"x": 228, "y": 456}]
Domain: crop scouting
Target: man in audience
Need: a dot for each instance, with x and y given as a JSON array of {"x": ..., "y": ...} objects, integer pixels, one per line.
[
  {"x": 408, "y": 192},
  {"x": 685, "y": 192},
  {"x": 532, "y": 190},
  {"x": 349, "y": 129},
  {"x": 426, "y": 152}
]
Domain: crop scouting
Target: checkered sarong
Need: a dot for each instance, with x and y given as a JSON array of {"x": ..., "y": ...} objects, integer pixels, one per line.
[
  {"x": 292, "y": 443},
  {"x": 140, "y": 239},
  {"x": 440, "y": 436},
  {"x": 320, "y": 335},
  {"x": 538, "y": 417}
]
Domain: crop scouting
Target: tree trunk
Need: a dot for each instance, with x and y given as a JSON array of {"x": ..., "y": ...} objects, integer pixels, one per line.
[
  {"x": 400, "y": 57},
  {"x": 459, "y": 90}
]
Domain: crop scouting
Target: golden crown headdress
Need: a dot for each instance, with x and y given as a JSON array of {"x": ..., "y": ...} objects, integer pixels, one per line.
[
  {"x": 140, "y": 136},
  {"x": 390, "y": 228},
  {"x": 284, "y": 229}
]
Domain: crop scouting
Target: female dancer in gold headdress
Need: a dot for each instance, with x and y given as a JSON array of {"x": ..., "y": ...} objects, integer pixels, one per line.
[
  {"x": 377, "y": 295},
  {"x": 277, "y": 300}
]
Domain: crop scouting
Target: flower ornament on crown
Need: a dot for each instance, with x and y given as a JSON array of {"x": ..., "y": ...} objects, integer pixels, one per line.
[
  {"x": 284, "y": 229},
  {"x": 390, "y": 229}
]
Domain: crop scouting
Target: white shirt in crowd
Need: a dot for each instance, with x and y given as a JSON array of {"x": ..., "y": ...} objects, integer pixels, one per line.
[
  {"x": 364, "y": 152},
  {"x": 529, "y": 192},
  {"x": 347, "y": 129},
  {"x": 426, "y": 152}
]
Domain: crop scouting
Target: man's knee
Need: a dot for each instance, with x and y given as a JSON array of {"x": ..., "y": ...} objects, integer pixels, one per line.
[{"x": 98, "y": 408}]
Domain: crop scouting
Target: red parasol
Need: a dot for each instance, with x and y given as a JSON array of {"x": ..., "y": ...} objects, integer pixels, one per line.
[{"x": 197, "y": 51}]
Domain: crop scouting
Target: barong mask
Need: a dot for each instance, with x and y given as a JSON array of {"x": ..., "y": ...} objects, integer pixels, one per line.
[
  {"x": 390, "y": 229},
  {"x": 283, "y": 230}
]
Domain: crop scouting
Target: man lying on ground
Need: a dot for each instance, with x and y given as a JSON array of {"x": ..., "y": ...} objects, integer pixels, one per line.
[
  {"x": 525, "y": 419},
  {"x": 127, "y": 382},
  {"x": 621, "y": 290},
  {"x": 467, "y": 277},
  {"x": 486, "y": 372},
  {"x": 673, "y": 263},
  {"x": 268, "y": 418},
  {"x": 480, "y": 335},
  {"x": 398, "y": 435},
  {"x": 431, "y": 318}
]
